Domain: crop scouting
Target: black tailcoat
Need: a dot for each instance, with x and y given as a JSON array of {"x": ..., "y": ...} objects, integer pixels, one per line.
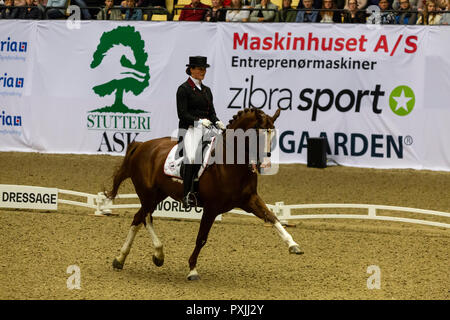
[{"x": 194, "y": 104}]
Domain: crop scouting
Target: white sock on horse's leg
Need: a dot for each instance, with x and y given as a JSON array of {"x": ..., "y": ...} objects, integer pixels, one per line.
[
  {"x": 125, "y": 250},
  {"x": 193, "y": 275},
  {"x": 156, "y": 242},
  {"x": 284, "y": 234}
]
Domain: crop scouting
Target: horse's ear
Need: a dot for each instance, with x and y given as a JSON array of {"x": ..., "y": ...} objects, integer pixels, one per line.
[{"x": 276, "y": 115}]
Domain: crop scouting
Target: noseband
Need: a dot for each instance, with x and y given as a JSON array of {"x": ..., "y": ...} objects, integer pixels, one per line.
[{"x": 257, "y": 167}]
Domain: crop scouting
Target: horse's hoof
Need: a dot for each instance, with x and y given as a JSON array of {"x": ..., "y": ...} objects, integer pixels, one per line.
[
  {"x": 295, "y": 249},
  {"x": 117, "y": 265},
  {"x": 193, "y": 277},
  {"x": 158, "y": 262}
]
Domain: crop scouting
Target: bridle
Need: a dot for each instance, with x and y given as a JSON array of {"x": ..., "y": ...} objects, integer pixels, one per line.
[
  {"x": 255, "y": 163},
  {"x": 256, "y": 168}
]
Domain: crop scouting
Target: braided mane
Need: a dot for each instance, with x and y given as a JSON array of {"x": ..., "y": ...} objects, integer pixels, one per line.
[{"x": 241, "y": 114}]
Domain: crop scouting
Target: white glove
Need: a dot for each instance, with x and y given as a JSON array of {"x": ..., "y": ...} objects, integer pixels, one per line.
[
  {"x": 205, "y": 122},
  {"x": 220, "y": 125}
]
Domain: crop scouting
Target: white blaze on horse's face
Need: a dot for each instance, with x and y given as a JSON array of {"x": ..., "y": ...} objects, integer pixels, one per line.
[
  {"x": 268, "y": 134},
  {"x": 269, "y": 168}
]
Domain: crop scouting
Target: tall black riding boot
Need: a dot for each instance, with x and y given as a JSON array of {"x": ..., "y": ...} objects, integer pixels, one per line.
[
  {"x": 189, "y": 197},
  {"x": 188, "y": 184},
  {"x": 195, "y": 169}
]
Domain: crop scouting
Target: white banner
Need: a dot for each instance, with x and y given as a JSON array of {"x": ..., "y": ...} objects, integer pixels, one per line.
[
  {"x": 378, "y": 93},
  {"x": 363, "y": 88},
  {"x": 27, "y": 197},
  {"x": 17, "y": 39}
]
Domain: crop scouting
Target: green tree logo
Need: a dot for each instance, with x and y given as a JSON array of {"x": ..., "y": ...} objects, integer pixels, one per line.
[
  {"x": 135, "y": 76},
  {"x": 402, "y": 100}
]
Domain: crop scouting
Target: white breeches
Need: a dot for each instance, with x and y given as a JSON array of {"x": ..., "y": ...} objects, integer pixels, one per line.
[
  {"x": 193, "y": 139},
  {"x": 192, "y": 144}
]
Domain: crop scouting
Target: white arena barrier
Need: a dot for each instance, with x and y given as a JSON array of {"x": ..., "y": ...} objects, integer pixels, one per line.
[
  {"x": 285, "y": 213},
  {"x": 39, "y": 198}
]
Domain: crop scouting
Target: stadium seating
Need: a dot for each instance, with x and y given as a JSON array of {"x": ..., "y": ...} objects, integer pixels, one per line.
[
  {"x": 169, "y": 5},
  {"x": 182, "y": 3},
  {"x": 159, "y": 17},
  {"x": 278, "y": 3}
]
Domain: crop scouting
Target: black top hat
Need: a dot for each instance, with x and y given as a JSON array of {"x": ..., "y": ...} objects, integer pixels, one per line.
[{"x": 198, "y": 61}]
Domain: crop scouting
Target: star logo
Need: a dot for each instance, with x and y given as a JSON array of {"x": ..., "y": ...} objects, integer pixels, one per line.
[{"x": 402, "y": 100}]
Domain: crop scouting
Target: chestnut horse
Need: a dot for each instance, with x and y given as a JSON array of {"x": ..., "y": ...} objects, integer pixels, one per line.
[{"x": 218, "y": 191}]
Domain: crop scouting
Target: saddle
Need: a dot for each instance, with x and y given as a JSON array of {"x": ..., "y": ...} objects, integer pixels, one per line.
[{"x": 174, "y": 165}]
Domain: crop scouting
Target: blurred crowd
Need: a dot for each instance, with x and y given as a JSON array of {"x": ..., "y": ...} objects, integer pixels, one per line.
[{"x": 425, "y": 12}]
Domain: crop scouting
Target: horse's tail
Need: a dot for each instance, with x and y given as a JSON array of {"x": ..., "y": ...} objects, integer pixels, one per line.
[{"x": 122, "y": 172}]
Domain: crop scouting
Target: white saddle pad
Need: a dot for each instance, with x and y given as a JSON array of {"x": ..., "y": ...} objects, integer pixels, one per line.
[{"x": 172, "y": 165}]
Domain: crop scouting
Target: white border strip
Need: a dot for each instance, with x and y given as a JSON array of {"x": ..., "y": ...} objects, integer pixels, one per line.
[{"x": 104, "y": 206}]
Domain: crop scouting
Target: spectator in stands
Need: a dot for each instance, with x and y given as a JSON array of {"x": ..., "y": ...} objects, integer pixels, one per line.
[
  {"x": 123, "y": 6},
  {"x": 317, "y": 4},
  {"x": 405, "y": 14},
  {"x": 237, "y": 14},
  {"x": 421, "y": 4},
  {"x": 286, "y": 13},
  {"x": 56, "y": 13},
  {"x": 132, "y": 12},
  {"x": 153, "y": 6},
  {"x": 32, "y": 12},
  {"x": 383, "y": 16},
  {"x": 441, "y": 4},
  {"x": 19, "y": 4},
  {"x": 107, "y": 13},
  {"x": 446, "y": 16},
  {"x": 412, "y": 4},
  {"x": 41, "y": 6},
  {"x": 352, "y": 14},
  {"x": 85, "y": 14},
  {"x": 307, "y": 15},
  {"x": 215, "y": 14},
  {"x": 251, "y": 3},
  {"x": 376, "y": 3},
  {"x": 194, "y": 15},
  {"x": 329, "y": 16},
  {"x": 429, "y": 15},
  {"x": 362, "y": 4},
  {"x": 8, "y": 13},
  {"x": 259, "y": 15}
]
